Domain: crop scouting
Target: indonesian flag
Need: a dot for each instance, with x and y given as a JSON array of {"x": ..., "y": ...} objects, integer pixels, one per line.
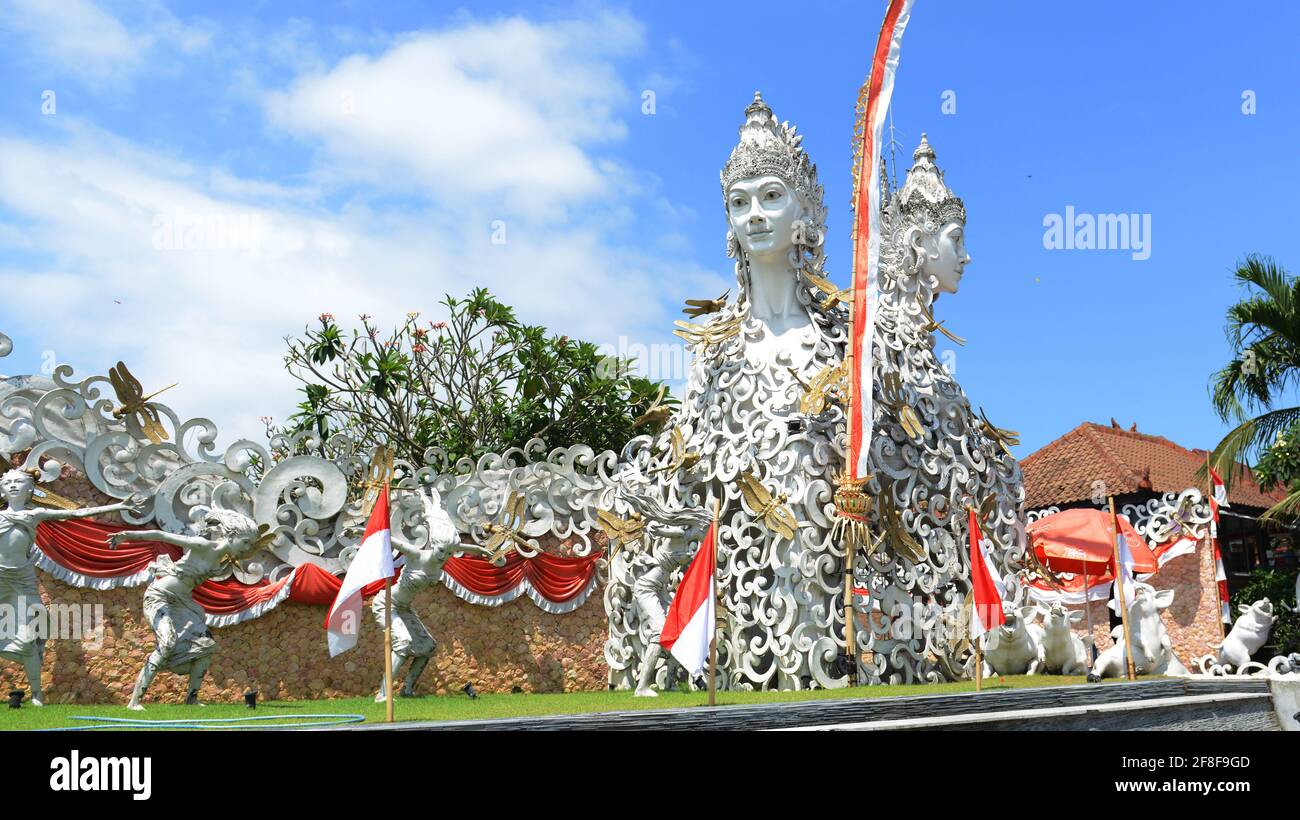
[
  {"x": 373, "y": 562},
  {"x": 688, "y": 628},
  {"x": 1124, "y": 572},
  {"x": 1218, "y": 498},
  {"x": 873, "y": 104},
  {"x": 985, "y": 584},
  {"x": 1225, "y": 611}
]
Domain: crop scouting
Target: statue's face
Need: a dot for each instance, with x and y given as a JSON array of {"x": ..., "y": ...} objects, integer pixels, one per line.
[
  {"x": 16, "y": 487},
  {"x": 763, "y": 212},
  {"x": 946, "y": 257}
]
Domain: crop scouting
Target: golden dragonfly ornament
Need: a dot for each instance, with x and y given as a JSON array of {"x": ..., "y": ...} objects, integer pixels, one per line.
[
  {"x": 657, "y": 412},
  {"x": 831, "y": 384},
  {"x": 622, "y": 532},
  {"x": 695, "y": 308},
  {"x": 1006, "y": 439},
  {"x": 265, "y": 535},
  {"x": 680, "y": 458},
  {"x": 891, "y": 392},
  {"x": 931, "y": 326},
  {"x": 378, "y": 477},
  {"x": 902, "y": 541},
  {"x": 133, "y": 402},
  {"x": 770, "y": 509},
  {"x": 507, "y": 534},
  {"x": 710, "y": 334},
  {"x": 834, "y": 295}
]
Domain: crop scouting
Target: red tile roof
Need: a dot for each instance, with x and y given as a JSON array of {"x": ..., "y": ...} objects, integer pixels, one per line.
[{"x": 1065, "y": 470}]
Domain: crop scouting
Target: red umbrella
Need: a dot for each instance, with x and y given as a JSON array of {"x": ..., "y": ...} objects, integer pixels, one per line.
[{"x": 1082, "y": 540}]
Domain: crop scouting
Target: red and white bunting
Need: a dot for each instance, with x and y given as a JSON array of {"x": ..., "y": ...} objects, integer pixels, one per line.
[
  {"x": 373, "y": 562},
  {"x": 1221, "y": 577},
  {"x": 866, "y": 237}
]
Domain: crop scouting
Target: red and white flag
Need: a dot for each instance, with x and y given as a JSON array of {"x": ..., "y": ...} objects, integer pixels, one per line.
[
  {"x": 373, "y": 562},
  {"x": 689, "y": 626},
  {"x": 1124, "y": 572},
  {"x": 985, "y": 583},
  {"x": 873, "y": 105},
  {"x": 1220, "y": 494},
  {"x": 1221, "y": 577}
]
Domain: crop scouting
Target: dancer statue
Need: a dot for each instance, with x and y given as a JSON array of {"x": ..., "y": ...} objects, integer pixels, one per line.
[
  {"x": 423, "y": 568},
  {"x": 18, "y": 591},
  {"x": 184, "y": 642}
]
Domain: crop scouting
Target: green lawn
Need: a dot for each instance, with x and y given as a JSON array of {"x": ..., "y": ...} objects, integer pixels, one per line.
[{"x": 460, "y": 707}]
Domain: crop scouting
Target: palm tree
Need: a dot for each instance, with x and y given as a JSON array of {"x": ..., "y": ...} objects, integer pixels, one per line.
[{"x": 1264, "y": 330}]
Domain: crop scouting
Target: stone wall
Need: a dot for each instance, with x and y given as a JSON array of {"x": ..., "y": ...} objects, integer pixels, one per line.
[
  {"x": 283, "y": 654},
  {"x": 1192, "y": 620}
]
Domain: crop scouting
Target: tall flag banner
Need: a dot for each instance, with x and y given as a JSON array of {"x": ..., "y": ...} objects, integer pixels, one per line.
[
  {"x": 373, "y": 562},
  {"x": 688, "y": 627},
  {"x": 1220, "y": 494},
  {"x": 1124, "y": 572},
  {"x": 1221, "y": 577},
  {"x": 985, "y": 584},
  {"x": 873, "y": 104}
]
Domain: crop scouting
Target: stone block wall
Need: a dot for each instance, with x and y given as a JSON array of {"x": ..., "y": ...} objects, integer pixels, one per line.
[{"x": 283, "y": 654}]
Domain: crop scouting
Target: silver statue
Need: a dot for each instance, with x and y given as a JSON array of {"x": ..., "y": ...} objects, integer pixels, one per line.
[
  {"x": 423, "y": 568},
  {"x": 184, "y": 642},
  {"x": 18, "y": 591}
]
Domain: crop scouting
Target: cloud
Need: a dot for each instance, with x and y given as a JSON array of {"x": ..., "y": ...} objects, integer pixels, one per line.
[
  {"x": 193, "y": 273},
  {"x": 504, "y": 109},
  {"x": 81, "y": 39}
]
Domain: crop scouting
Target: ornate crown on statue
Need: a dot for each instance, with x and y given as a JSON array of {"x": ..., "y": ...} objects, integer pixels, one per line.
[
  {"x": 924, "y": 198},
  {"x": 769, "y": 147}
]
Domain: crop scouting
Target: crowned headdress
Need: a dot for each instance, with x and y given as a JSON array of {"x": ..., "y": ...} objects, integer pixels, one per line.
[
  {"x": 924, "y": 199},
  {"x": 769, "y": 147}
]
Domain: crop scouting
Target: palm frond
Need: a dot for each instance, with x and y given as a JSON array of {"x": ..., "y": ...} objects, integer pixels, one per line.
[{"x": 1248, "y": 439}]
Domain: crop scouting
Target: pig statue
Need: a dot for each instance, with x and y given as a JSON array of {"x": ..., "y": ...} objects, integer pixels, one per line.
[
  {"x": 1063, "y": 651},
  {"x": 1153, "y": 654},
  {"x": 1248, "y": 634},
  {"x": 1016, "y": 647}
]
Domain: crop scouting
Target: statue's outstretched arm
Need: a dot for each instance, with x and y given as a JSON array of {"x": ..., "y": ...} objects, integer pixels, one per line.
[
  {"x": 132, "y": 504},
  {"x": 183, "y": 541}
]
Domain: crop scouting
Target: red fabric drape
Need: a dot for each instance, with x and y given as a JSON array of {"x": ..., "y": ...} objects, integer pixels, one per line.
[{"x": 81, "y": 546}]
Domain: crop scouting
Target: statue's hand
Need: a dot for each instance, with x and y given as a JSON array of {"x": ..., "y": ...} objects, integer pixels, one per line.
[
  {"x": 136, "y": 503},
  {"x": 115, "y": 540}
]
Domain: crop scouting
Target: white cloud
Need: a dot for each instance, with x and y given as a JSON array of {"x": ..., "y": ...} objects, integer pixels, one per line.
[
  {"x": 458, "y": 128},
  {"x": 503, "y": 108},
  {"x": 82, "y": 39}
]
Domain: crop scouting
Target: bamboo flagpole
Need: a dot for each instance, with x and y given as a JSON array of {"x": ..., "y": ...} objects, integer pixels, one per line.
[
  {"x": 713, "y": 643},
  {"x": 1119, "y": 590},
  {"x": 1214, "y": 545},
  {"x": 388, "y": 649},
  {"x": 979, "y": 663}
]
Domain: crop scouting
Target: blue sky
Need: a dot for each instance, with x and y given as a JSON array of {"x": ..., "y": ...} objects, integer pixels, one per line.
[{"x": 374, "y": 150}]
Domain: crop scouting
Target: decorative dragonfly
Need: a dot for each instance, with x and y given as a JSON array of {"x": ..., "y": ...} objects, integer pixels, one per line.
[
  {"x": 507, "y": 535},
  {"x": 829, "y": 385},
  {"x": 902, "y": 540},
  {"x": 834, "y": 295},
  {"x": 681, "y": 458},
  {"x": 657, "y": 413},
  {"x": 622, "y": 532},
  {"x": 695, "y": 308},
  {"x": 931, "y": 326},
  {"x": 771, "y": 509},
  {"x": 891, "y": 391},
  {"x": 379, "y": 475},
  {"x": 265, "y": 535},
  {"x": 710, "y": 334},
  {"x": 1006, "y": 439},
  {"x": 130, "y": 396}
]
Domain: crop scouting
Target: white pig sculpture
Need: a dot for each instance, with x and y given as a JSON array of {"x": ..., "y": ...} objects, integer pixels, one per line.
[
  {"x": 1249, "y": 633},
  {"x": 1016, "y": 647},
  {"x": 1063, "y": 651},
  {"x": 1153, "y": 654}
]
